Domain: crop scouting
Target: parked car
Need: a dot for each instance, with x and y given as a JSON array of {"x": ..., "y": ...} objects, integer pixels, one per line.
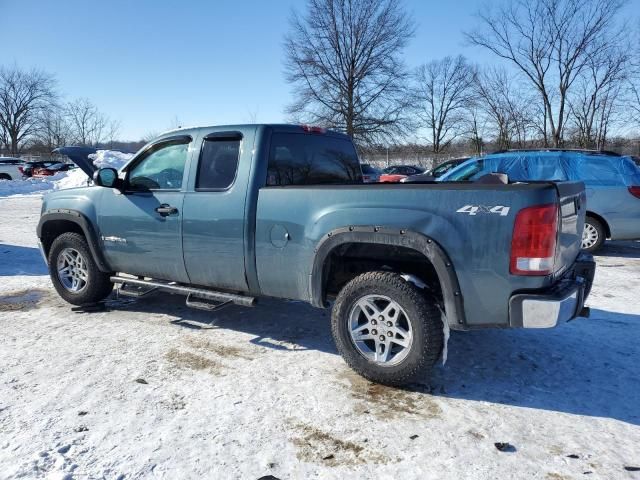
[
  {"x": 52, "y": 169},
  {"x": 431, "y": 175},
  {"x": 396, "y": 173},
  {"x": 10, "y": 168},
  {"x": 612, "y": 185},
  {"x": 370, "y": 174},
  {"x": 198, "y": 214},
  {"x": 28, "y": 168}
]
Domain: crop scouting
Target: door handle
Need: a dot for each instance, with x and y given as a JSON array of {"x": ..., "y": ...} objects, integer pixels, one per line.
[{"x": 165, "y": 209}]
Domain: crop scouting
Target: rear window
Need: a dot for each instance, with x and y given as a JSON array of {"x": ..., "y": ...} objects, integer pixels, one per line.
[
  {"x": 304, "y": 159},
  {"x": 218, "y": 163}
]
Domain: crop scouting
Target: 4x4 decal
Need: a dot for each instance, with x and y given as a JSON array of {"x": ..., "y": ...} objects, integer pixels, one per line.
[{"x": 476, "y": 209}]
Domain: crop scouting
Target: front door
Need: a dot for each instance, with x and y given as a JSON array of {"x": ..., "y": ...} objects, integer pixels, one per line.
[{"x": 141, "y": 227}]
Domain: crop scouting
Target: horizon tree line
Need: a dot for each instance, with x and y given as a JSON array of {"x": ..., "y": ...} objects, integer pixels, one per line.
[{"x": 567, "y": 73}]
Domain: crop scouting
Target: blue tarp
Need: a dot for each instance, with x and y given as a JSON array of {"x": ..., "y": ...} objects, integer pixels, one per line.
[{"x": 592, "y": 169}]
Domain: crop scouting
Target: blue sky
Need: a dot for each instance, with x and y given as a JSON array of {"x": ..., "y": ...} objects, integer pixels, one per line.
[{"x": 148, "y": 62}]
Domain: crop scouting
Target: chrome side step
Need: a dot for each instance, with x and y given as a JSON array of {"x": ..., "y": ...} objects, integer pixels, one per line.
[
  {"x": 220, "y": 299},
  {"x": 194, "y": 302}
]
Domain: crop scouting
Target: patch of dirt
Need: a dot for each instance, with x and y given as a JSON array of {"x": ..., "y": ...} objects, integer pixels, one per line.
[
  {"x": 556, "y": 450},
  {"x": 21, "y": 300},
  {"x": 193, "y": 361},
  {"x": 475, "y": 434},
  {"x": 226, "y": 351},
  {"x": 556, "y": 476},
  {"x": 317, "y": 446},
  {"x": 389, "y": 403}
]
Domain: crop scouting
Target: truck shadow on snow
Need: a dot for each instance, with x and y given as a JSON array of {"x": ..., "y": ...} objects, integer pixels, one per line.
[
  {"x": 17, "y": 260},
  {"x": 620, "y": 249},
  {"x": 586, "y": 367}
]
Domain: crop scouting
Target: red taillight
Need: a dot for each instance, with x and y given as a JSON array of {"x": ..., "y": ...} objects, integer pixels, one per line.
[
  {"x": 635, "y": 191},
  {"x": 533, "y": 246},
  {"x": 313, "y": 129}
]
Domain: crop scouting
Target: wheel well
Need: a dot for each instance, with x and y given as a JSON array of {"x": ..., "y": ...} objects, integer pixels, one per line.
[
  {"x": 5, "y": 176},
  {"x": 604, "y": 223},
  {"x": 348, "y": 260},
  {"x": 54, "y": 228}
]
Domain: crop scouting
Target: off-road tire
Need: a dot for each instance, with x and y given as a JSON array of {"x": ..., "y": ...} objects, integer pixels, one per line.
[
  {"x": 599, "y": 228},
  {"x": 422, "y": 312},
  {"x": 98, "y": 286}
]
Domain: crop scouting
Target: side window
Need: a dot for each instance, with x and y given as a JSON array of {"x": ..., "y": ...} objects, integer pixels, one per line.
[
  {"x": 594, "y": 170},
  {"x": 303, "y": 159},
  {"x": 161, "y": 168},
  {"x": 218, "y": 163},
  {"x": 545, "y": 168}
]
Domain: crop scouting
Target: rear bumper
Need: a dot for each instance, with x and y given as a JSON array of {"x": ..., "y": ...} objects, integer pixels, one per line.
[{"x": 562, "y": 302}]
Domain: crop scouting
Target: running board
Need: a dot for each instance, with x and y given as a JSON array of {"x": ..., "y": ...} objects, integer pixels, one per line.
[{"x": 222, "y": 298}]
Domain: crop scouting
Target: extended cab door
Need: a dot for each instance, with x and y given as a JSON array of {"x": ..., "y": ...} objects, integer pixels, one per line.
[
  {"x": 141, "y": 227},
  {"x": 214, "y": 209}
]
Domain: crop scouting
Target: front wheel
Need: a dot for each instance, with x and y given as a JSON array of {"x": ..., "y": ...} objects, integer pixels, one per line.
[
  {"x": 386, "y": 329},
  {"x": 593, "y": 235},
  {"x": 74, "y": 273}
]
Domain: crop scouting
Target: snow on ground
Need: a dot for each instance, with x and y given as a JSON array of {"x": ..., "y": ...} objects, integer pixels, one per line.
[
  {"x": 151, "y": 389},
  {"x": 62, "y": 180}
]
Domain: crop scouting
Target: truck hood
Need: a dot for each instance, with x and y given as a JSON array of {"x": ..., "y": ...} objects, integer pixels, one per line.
[{"x": 80, "y": 156}]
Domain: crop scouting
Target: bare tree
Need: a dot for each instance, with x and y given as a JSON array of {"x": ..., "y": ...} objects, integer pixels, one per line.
[
  {"x": 112, "y": 130},
  {"x": 24, "y": 95},
  {"x": 505, "y": 105},
  {"x": 53, "y": 129},
  {"x": 596, "y": 95},
  {"x": 88, "y": 124},
  {"x": 343, "y": 59},
  {"x": 475, "y": 125},
  {"x": 550, "y": 42},
  {"x": 443, "y": 93}
]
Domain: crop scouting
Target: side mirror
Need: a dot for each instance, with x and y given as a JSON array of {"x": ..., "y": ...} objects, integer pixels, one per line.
[{"x": 106, "y": 177}]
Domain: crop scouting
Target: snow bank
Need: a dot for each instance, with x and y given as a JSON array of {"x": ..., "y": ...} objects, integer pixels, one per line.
[
  {"x": 110, "y": 158},
  {"x": 63, "y": 180}
]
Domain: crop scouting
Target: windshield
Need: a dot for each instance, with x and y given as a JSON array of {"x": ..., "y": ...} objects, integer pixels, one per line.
[
  {"x": 368, "y": 168},
  {"x": 462, "y": 172}
]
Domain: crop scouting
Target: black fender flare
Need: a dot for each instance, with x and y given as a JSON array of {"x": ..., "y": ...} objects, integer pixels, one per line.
[
  {"x": 452, "y": 294},
  {"x": 85, "y": 225}
]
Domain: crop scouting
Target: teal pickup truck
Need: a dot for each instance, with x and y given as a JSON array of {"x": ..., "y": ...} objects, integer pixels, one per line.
[{"x": 227, "y": 214}]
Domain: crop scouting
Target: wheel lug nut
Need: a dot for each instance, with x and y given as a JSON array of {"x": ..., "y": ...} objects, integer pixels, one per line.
[
  {"x": 389, "y": 324},
  {"x": 381, "y": 318},
  {"x": 373, "y": 322},
  {"x": 374, "y": 332},
  {"x": 382, "y": 338},
  {"x": 389, "y": 334}
]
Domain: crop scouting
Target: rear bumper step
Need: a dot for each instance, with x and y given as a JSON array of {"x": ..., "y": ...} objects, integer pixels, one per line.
[
  {"x": 561, "y": 303},
  {"x": 201, "y": 293}
]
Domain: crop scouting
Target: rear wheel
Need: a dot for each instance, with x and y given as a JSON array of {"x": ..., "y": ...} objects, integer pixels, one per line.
[
  {"x": 386, "y": 329},
  {"x": 74, "y": 273},
  {"x": 593, "y": 235}
]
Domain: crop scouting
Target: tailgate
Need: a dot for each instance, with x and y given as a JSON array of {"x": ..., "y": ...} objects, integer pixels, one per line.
[{"x": 573, "y": 206}]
